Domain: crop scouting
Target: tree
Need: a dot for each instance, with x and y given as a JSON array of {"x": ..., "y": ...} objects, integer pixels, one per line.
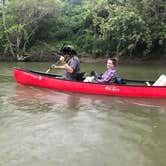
[
  {"x": 155, "y": 15},
  {"x": 21, "y": 20}
]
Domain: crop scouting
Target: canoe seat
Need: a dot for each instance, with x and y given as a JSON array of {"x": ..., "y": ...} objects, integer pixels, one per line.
[{"x": 80, "y": 76}]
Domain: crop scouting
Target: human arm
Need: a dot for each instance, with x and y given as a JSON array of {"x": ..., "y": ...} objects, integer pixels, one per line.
[{"x": 64, "y": 65}]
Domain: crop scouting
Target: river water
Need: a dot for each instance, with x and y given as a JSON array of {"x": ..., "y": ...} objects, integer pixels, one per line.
[{"x": 40, "y": 127}]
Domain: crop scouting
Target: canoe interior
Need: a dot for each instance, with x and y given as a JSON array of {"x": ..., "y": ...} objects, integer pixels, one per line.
[
  {"x": 138, "y": 83},
  {"x": 44, "y": 74},
  {"x": 127, "y": 81}
]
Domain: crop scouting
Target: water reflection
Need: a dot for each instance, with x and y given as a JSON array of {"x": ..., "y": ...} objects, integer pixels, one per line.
[{"x": 75, "y": 101}]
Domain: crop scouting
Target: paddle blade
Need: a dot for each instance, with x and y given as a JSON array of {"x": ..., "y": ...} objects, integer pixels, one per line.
[{"x": 147, "y": 83}]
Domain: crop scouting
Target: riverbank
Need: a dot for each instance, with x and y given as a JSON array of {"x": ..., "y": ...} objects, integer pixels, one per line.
[
  {"x": 86, "y": 59},
  {"x": 124, "y": 60}
]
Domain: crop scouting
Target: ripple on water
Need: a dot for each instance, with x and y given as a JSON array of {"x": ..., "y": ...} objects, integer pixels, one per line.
[{"x": 46, "y": 127}]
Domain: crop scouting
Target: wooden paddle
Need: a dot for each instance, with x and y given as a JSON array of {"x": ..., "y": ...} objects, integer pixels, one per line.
[
  {"x": 51, "y": 68},
  {"x": 147, "y": 83},
  {"x": 48, "y": 70},
  {"x": 66, "y": 59}
]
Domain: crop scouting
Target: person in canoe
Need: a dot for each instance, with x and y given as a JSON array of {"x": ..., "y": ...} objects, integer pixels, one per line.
[
  {"x": 70, "y": 63},
  {"x": 108, "y": 76}
]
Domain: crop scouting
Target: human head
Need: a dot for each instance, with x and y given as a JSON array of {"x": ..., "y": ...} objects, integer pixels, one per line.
[
  {"x": 68, "y": 50},
  {"x": 112, "y": 62}
]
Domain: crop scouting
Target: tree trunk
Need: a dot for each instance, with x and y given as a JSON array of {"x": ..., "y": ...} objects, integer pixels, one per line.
[{"x": 5, "y": 29}]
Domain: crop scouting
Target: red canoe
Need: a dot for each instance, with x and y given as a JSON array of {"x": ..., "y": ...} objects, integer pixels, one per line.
[{"x": 132, "y": 88}]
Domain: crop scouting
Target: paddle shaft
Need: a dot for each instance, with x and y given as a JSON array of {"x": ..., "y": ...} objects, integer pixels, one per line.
[
  {"x": 50, "y": 67},
  {"x": 66, "y": 59},
  {"x": 48, "y": 70}
]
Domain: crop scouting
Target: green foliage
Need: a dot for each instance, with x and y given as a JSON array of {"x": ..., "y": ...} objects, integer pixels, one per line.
[
  {"x": 22, "y": 22},
  {"x": 125, "y": 29},
  {"x": 155, "y": 17},
  {"x": 98, "y": 27}
]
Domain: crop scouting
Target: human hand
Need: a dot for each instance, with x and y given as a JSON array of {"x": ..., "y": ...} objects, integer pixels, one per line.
[
  {"x": 62, "y": 59},
  {"x": 53, "y": 66}
]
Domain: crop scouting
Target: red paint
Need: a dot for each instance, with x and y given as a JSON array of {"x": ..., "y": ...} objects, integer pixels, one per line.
[{"x": 46, "y": 81}]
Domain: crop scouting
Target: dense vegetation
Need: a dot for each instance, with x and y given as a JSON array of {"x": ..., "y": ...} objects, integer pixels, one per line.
[{"x": 130, "y": 28}]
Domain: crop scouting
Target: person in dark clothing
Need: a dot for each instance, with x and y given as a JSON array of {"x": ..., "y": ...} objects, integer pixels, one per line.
[{"x": 70, "y": 62}]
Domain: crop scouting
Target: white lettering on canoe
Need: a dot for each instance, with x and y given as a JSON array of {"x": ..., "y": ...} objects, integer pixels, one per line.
[
  {"x": 40, "y": 77},
  {"x": 112, "y": 88}
]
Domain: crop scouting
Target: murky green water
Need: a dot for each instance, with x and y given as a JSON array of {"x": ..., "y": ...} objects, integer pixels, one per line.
[{"x": 40, "y": 127}]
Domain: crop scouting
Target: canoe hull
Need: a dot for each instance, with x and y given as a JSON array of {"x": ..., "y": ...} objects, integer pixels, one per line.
[{"x": 38, "y": 79}]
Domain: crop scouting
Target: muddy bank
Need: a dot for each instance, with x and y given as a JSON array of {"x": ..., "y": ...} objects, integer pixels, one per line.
[
  {"x": 30, "y": 58},
  {"x": 54, "y": 58}
]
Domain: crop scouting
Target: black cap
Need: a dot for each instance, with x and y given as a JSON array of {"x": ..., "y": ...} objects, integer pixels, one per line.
[{"x": 68, "y": 49}]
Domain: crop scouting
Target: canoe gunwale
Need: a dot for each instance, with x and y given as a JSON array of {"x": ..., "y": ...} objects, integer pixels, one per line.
[{"x": 61, "y": 77}]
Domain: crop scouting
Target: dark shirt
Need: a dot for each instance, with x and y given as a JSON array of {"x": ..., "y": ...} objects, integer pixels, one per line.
[{"x": 75, "y": 64}]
